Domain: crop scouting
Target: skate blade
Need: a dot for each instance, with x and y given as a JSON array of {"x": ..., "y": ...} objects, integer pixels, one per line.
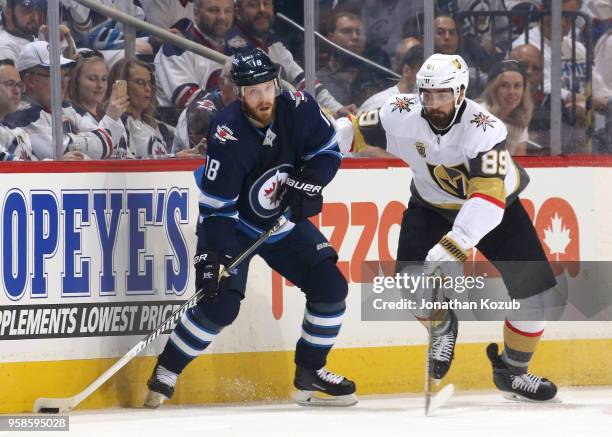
[
  {"x": 515, "y": 397},
  {"x": 440, "y": 399},
  {"x": 154, "y": 399},
  {"x": 307, "y": 398}
]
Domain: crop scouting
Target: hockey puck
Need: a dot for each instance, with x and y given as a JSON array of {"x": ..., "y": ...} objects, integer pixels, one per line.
[{"x": 49, "y": 410}]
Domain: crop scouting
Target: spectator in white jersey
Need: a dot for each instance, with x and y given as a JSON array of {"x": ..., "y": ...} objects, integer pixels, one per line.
[
  {"x": 145, "y": 137},
  {"x": 88, "y": 85},
  {"x": 181, "y": 73},
  {"x": 14, "y": 143},
  {"x": 541, "y": 34},
  {"x": 81, "y": 140},
  {"x": 21, "y": 21},
  {"x": 411, "y": 63},
  {"x": 166, "y": 13}
]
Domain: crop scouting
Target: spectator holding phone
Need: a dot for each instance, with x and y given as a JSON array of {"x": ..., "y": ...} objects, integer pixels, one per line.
[{"x": 145, "y": 137}]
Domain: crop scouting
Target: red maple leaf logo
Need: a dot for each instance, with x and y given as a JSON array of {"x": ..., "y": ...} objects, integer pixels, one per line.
[{"x": 269, "y": 191}]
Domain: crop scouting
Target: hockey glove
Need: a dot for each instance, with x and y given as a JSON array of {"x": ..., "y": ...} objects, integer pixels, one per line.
[
  {"x": 208, "y": 266},
  {"x": 303, "y": 194},
  {"x": 448, "y": 255}
]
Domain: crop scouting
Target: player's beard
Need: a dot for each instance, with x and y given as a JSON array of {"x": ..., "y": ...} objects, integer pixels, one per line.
[
  {"x": 439, "y": 119},
  {"x": 260, "y": 117}
]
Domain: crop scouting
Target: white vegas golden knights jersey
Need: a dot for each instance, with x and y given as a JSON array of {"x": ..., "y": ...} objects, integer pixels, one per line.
[{"x": 468, "y": 160}]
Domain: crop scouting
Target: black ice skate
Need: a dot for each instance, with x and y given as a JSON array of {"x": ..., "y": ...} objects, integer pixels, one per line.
[
  {"x": 339, "y": 391},
  {"x": 443, "y": 348},
  {"x": 161, "y": 386},
  {"x": 525, "y": 387}
]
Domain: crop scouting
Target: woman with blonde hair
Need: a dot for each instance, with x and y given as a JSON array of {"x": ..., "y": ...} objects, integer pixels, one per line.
[
  {"x": 508, "y": 98},
  {"x": 88, "y": 85},
  {"x": 146, "y": 138}
]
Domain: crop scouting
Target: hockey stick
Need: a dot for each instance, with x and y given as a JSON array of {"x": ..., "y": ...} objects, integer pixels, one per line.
[
  {"x": 57, "y": 405},
  {"x": 434, "y": 400}
]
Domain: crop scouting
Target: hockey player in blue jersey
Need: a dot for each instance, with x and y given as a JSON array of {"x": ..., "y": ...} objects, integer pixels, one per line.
[{"x": 267, "y": 151}]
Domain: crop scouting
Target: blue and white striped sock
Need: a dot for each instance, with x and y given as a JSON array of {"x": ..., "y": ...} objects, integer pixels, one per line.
[
  {"x": 320, "y": 328},
  {"x": 192, "y": 335}
]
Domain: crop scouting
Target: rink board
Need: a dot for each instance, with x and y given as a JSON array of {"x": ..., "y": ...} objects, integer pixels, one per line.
[{"x": 77, "y": 292}]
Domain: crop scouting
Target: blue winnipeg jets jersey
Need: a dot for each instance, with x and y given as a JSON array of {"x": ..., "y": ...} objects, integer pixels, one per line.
[{"x": 247, "y": 166}]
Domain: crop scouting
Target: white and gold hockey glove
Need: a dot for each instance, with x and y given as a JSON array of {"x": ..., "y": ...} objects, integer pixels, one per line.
[{"x": 451, "y": 250}]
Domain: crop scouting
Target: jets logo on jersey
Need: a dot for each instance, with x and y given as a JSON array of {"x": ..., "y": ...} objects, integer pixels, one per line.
[
  {"x": 420, "y": 147},
  {"x": 224, "y": 133},
  {"x": 453, "y": 180},
  {"x": 156, "y": 147},
  {"x": 483, "y": 120},
  {"x": 266, "y": 192},
  {"x": 270, "y": 137},
  {"x": 402, "y": 104},
  {"x": 298, "y": 97}
]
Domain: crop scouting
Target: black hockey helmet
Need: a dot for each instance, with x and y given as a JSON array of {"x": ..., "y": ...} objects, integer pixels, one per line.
[{"x": 252, "y": 67}]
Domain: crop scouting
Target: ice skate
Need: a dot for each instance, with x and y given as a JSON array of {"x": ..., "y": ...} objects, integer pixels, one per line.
[
  {"x": 443, "y": 349},
  {"x": 323, "y": 388},
  {"x": 161, "y": 387},
  {"x": 525, "y": 387}
]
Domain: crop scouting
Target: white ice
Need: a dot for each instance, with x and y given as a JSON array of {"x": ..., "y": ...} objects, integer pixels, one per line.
[{"x": 582, "y": 412}]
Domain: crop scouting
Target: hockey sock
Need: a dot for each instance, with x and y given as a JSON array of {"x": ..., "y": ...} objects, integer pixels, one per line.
[
  {"x": 190, "y": 338},
  {"x": 321, "y": 325},
  {"x": 441, "y": 322},
  {"x": 520, "y": 342}
]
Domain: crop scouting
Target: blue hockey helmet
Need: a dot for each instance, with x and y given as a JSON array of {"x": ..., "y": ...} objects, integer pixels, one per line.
[{"x": 252, "y": 67}]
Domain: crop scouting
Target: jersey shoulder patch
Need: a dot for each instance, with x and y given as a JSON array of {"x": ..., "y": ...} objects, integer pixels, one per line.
[
  {"x": 484, "y": 128},
  {"x": 397, "y": 110},
  {"x": 296, "y": 98},
  {"x": 225, "y": 125}
]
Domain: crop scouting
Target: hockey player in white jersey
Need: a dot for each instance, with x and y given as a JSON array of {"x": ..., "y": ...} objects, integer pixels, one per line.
[{"x": 464, "y": 195}]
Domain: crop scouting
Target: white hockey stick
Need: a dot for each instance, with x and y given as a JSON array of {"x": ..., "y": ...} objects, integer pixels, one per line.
[
  {"x": 63, "y": 405},
  {"x": 434, "y": 400}
]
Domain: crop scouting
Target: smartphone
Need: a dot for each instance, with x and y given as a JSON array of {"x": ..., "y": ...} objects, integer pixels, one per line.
[{"x": 121, "y": 88}]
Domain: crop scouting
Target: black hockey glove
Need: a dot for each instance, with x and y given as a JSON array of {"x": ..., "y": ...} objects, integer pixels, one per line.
[
  {"x": 303, "y": 194},
  {"x": 208, "y": 265}
]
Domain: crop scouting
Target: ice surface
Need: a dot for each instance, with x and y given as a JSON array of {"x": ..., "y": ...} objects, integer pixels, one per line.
[{"x": 583, "y": 412}]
